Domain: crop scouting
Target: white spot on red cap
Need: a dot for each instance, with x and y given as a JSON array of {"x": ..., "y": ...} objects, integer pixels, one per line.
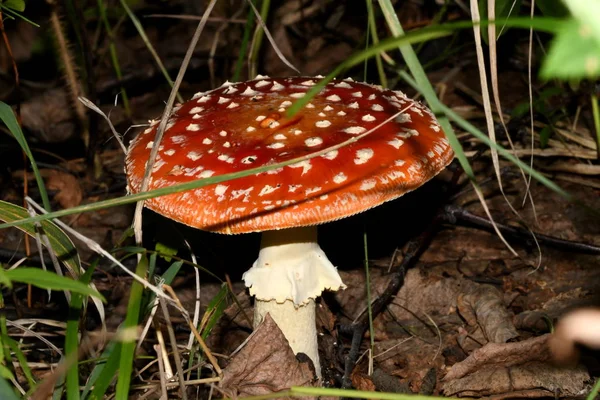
[
  {"x": 334, "y": 98},
  {"x": 368, "y": 184},
  {"x": 343, "y": 85},
  {"x": 406, "y": 133},
  {"x": 397, "y": 143},
  {"x": 280, "y": 136},
  {"x": 230, "y": 89},
  {"x": 285, "y": 103},
  {"x": 277, "y": 86},
  {"x": 313, "y": 141},
  {"x": 273, "y": 124},
  {"x": 372, "y": 97},
  {"x": 298, "y": 95},
  {"x": 249, "y": 92},
  {"x": 194, "y": 156},
  {"x": 196, "y": 110},
  {"x": 206, "y": 173},
  {"x": 235, "y": 194},
  {"x": 330, "y": 155},
  {"x": 322, "y": 114},
  {"x": 276, "y": 145},
  {"x": 297, "y": 132},
  {"x": 357, "y": 94},
  {"x": 323, "y": 124},
  {"x": 377, "y": 107},
  {"x": 192, "y": 127},
  {"x": 305, "y": 165},
  {"x": 150, "y": 144},
  {"x": 434, "y": 127},
  {"x": 353, "y": 105},
  {"x": 260, "y": 84},
  {"x": 363, "y": 155},
  {"x": 310, "y": 105},
  {"x": 233, "y": 104},
  {"x": 267, "y": 189},
  {"x": 178, "y": 139},
  {"x": 416, "y": 110},
  {"x": 308, "y": 83},
  {"x": 354, "y": 130},
  {"x": 399, "y": 163},
  {"x": 226, "y": 144},
  {"x": 221, "y": 189},
  {"x": 226, "y": 158},
  {"x": 368, "y": 118},
  {"x": 339, "y": 178},
  {"x": 203, "y": 99},
  {"x": 341, "y": 113},
  {"x": 250, "y": 129},
  {"x": 249, "y": 159},
  {"x": 196, "y": 116},
  {"x": 430, "y": 154},
  {"x": 170, "y": 152},
  {"x": 148, "y": 130},
  {"x": 206, "y": 141},
  {"x": 223, "y": 100},
  {"x": 403, "y": 118},
  {"x": 312, "y": 190},
  {"x": 292, "y": 188},
  {"x": 260, "y": 118},
  {"x": 223, "y": 133}
]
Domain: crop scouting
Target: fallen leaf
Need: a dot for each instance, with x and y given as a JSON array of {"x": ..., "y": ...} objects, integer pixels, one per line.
[
  {"x": 265, "y": 364},
  {"x": 531, "y": 380},
  {"x": 485, "y": 306},
  {"x": 67, "y": 187},
  {"x": 501, "y": 355}
]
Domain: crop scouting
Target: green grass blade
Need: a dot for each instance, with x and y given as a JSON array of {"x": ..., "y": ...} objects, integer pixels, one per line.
[
  {"x": 72, "y": 338},
  {"x": 61, "y": 244},
  {"x": 8, "y": 117},
  {"x": 130, "y": 324},
  {"x": 103, "y": 373},
  {"x": 49, "y": 280},
  {"x": 239, "y": 64}
]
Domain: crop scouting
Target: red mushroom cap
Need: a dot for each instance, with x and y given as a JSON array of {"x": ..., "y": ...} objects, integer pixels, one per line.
[{"x": 243, "y": 125}]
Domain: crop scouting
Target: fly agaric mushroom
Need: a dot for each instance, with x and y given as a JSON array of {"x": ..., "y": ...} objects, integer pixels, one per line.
[{"x": 244, "y": 125}]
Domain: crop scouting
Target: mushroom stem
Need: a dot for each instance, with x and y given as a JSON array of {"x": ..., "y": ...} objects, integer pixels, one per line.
[
  {"x": 297, "y": 324},
  {"x": 290, "y": 273}
]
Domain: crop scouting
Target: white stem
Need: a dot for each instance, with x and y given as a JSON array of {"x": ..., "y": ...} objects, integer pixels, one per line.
[
  {"x": 297, "y": 324},
  {"x": 290, "y": 273}
]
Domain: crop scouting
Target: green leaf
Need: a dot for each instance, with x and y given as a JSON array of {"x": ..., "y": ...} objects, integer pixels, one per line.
[
  {"x": 165, "y": 251},
  {"x": 15, "y": 5},
  {"x": 573, "y": 54},
  {"x": 6, "y": 391},
  {"x": 61, "y": 244},
  {"x": 8, "y": 117},
  {"x": 214, "y": 310},
  {"x": 49, "y": 280}
]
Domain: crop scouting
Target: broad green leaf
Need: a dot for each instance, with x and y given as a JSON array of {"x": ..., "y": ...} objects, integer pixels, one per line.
[
  {"x": 587, "y": 13},
  {"x": 103, "y": 373},
  {"x": 6, "y": 390},
  {"x": 15, "y": 5},
  {"x": 8, "y": 117},
  {"x": 573, "y": 54},
  {"x": 165, "y": 251},
  {"x": 214, "y": 310},
  {"x": 49, "y": 280},
  {"x": 61, "y": 244}
]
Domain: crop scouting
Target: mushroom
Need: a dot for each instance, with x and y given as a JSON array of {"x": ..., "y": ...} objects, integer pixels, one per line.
[{"x": 244, "y": 125}]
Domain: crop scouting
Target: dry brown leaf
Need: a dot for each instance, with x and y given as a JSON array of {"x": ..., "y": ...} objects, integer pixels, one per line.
[
  {"x": 485, "y": 306},
  {"x": 265, "y": 364},
  {"x": 69, "y": 193},
  {"x": 535, "y": 379},
  {"x": 501, "y": 355}
]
